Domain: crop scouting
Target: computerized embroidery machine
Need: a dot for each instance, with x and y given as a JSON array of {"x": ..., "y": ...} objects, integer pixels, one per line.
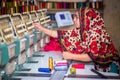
[
  {"x": 18, "y": 41},
  {"x": 44, "y": 20},
  {"x": 41, "y": 17},
  {"x": 7, "y": 46},
  {"x": 26, "y": 18},
  {"x": 36, "y": 33}
]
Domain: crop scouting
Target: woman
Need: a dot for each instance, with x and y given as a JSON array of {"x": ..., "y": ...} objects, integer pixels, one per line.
[{"x": 88, "y": 41}]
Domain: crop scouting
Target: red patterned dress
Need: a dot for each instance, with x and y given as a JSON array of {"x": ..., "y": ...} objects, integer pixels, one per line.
[{"x": 91, "y": 39}]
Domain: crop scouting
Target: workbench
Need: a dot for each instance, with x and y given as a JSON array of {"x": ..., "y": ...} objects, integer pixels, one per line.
[{"x": 81, "y": 74}]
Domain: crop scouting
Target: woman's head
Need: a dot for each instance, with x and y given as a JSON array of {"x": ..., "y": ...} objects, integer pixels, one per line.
[
  {"x": 76, "y": 19},
  {"x": 79, "y": 17},
  {"x": 86, "y": 18}
]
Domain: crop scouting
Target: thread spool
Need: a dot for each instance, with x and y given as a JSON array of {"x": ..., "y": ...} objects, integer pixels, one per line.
[
  {"x": 36, "y": 8},
  {"x": 61, "y": 61},
  {"x": 26, "y": 9},
  {"x": 72, "y": 71},
  {"x": 78, "y": 66},
  {"x": 23, "y": 3},
  {"x": 97, "y": 5},
  {"x": 15, "y": 3},
  {"x": 23, "y": 9},
  {"x": 20, "y": 9},
  {"x": 11, "y": 10},
  {"x": 50, "y": 63},
  {"x": 3, "y": 3},
  {"x": 3, "y": 10},
  {"x": 61, "y": 68},
  {"x": 33, "y": 7},
  {"x": 48, "y": 70},
  {"x": 30, "y": 8},
  {"x": 93, "y": 4}
]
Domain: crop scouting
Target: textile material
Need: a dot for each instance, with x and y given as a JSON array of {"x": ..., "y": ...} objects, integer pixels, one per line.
[
  {"x": 90, "y": 38},
  {"x": 53, "y": 45}
]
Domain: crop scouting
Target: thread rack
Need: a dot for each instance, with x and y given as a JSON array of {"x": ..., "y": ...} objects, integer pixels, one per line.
[
  {"x": 6, "y": 30},
  {"x": 42, "y": 15},
  {"x": 28, "y": 22},
  {"x": 19, "y": 26}
]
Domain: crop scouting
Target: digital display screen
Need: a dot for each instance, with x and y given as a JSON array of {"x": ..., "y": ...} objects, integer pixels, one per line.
[{"x": 62, "y": 16}]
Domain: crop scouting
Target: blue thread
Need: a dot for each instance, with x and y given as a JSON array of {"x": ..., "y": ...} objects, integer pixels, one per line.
[{"x": 48, "y": 70}]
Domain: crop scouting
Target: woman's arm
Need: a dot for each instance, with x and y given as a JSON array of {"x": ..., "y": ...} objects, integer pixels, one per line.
[
  {"x": 39, "y": 27},
  {"x": 78, "y": 57}
]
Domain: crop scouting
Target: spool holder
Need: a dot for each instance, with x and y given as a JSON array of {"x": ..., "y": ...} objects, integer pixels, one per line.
[
  {"x": 43, "y": 16},
  {"x": 19, "y": 26},
  {"x": 6, "y": 31},
  {"x": 28, "y": 22}
]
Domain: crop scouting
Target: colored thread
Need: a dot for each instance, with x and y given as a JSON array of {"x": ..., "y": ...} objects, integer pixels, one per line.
[
  {"x": 30, "y": 8},
  {"x": 33, "y": 7},
  {"x": 3, "y": 10},
  {"x": 61, "y": 61},
  {"x": 61, "y": 64},
  {"x": 48, "y": 70},
  {"x": 50, "y": 63},
  {"x": 23, "y": 9},
  {"x": 60, "y": 68},
  {"x": 23, "y": 3},
  {"x": 11, "y": 10},
  {"x": 36, "y": 8},
  {"x": 78, "y": 66},
  {"x": 3, "y": 4},
  {"x": 15, "y": 3},
  {"x": 97, "y": 5},
  {"x": 26, "y": 9},
  {"x": 72, "y": 71}
]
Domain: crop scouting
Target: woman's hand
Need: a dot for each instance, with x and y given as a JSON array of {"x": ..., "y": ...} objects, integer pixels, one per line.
[
  {"x": 47, "y": 31},
  {"x": 37, "y": 26},
  {"x": 67, "y": 55}
]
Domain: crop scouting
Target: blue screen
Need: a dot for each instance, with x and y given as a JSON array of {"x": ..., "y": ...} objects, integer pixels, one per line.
[{"x": 62, "y": 16}]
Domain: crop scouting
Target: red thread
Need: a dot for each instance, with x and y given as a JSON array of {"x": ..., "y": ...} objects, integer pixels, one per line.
[{"x": 78, "y": 66}]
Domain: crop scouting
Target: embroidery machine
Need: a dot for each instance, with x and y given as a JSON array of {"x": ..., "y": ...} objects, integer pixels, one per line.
[
  {"x": 29, "y": 36},
  {"x": 20, "y": 40},
  {"x": 36, "y": 33},
  {"x": 44, "y": 20},
  {"x": 7, "y": 46},
  {"x": 40, "y": 17}
]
